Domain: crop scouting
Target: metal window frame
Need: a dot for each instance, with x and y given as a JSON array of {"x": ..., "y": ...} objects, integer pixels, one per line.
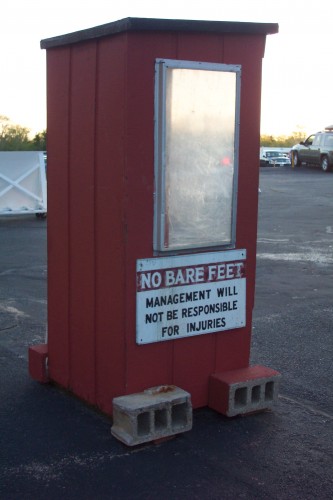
[{"x": 161, "y": 66}]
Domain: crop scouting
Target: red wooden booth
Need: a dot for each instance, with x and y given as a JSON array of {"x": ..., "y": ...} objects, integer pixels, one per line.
[{"x": 153, "y": 165}]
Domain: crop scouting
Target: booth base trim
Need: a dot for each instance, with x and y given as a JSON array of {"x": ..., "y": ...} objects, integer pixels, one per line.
[{"x": 38, "y": 356}]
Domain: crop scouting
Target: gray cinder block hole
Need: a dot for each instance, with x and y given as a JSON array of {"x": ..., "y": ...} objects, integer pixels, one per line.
[
  {"x": 269, "y": 391},
  {"x": 240, "y": 397},
  {"x": 143, "y": 423},
  {"x": 161, "y": 419},
  {"x": 255, "y": 394},
  {"x": 179, "y": 415}
]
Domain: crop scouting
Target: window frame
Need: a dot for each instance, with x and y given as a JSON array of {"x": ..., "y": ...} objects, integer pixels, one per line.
[{"x": 161, "y": 67}]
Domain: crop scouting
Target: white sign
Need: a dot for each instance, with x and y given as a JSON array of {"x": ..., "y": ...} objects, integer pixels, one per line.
[{"x": 188, "y": 295}]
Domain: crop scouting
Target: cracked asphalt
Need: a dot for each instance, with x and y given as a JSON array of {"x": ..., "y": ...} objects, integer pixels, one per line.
[{"x": 53, "y": 446}]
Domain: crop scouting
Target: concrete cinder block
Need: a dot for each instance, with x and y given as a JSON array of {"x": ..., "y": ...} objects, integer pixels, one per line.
[
  {"x": 247, "y": 390},
  {"x": 155, "y": 413},
  {"x": 38, "y": 355}
]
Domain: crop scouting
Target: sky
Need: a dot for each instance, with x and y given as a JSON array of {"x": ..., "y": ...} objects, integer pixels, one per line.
[{"x": 297, "y": 67}]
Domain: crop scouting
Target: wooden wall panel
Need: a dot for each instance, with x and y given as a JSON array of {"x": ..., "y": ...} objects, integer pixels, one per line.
[
  {"x": 110, "y": 224},
  {"x": 58, "y": 84},
  {"x": 81, "y": 220}
]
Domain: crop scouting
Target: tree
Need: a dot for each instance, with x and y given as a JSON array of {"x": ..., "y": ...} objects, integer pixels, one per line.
[
  {"x": 39, "y": 141},
  {"x": 281, "y": 141},
  {"x": 13, "y": 137},
  {"x": 16, "y": 138}
]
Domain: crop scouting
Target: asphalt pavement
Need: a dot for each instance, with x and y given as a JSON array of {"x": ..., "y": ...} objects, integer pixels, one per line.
[{"x": 53, "y": 446}]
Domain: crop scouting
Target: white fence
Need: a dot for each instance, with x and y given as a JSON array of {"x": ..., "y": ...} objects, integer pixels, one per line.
[{"x": 22, "y": 182}]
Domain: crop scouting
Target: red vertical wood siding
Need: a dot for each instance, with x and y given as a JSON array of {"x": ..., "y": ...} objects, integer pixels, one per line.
[
  {"x": 58, "y": 84},
  {"x": 81, "y": 220},
  {"x": 110, "y": 223},
  {"x": 101, "y": 148}
]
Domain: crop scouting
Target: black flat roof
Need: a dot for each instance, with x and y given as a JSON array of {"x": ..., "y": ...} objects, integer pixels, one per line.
[{"x": 146, "y": 24}]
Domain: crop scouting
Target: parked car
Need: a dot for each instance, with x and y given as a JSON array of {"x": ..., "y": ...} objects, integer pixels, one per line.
[
  {"x": 269, "y": 156},
  {"x": 280, "y": 161},
  {"x": 317, "y": 150}
]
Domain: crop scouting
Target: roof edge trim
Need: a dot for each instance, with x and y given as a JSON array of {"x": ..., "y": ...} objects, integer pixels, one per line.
[{"x": 149, "y": 24}]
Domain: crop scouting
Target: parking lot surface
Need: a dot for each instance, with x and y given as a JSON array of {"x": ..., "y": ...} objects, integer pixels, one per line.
[{"x": 53, "y": 446}]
